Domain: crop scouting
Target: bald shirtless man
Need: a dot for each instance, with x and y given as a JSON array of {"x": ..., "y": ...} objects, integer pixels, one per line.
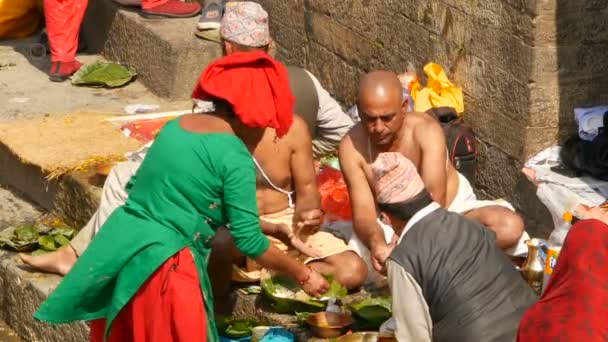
[{"x": 387, "y": 127}]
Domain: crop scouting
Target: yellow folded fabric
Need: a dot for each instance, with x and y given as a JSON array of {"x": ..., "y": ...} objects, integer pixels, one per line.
[
  {"x": 19, "y": 18},
  {"x": 439, "y": 91}
]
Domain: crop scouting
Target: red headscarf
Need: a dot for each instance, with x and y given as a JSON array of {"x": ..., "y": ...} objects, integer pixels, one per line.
[
  {"x": 255, "y": 85},
  {"x": 574, "y": 306}
]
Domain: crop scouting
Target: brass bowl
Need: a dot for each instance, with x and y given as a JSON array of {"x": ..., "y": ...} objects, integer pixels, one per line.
[{"x": 329, "y": 324}]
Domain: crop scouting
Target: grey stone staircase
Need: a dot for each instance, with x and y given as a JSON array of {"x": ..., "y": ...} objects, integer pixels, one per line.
[{"x": 166, "y": 53}]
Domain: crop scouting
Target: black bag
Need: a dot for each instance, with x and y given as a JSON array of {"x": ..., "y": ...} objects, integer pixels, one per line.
[
  {"x": 460, "y": 140},
  {"x": 588, "y": 157}
]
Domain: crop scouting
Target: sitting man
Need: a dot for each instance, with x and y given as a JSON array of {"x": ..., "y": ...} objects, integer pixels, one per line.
[
  {"x": 386, "y": 127},
  {"x": 448, "y": 280},
  {"x": 285, "y": 165}
]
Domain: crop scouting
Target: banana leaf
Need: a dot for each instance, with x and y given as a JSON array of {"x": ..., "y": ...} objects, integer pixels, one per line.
[
  {"x": 236, "y": 328},
  {"x": 28, "y": 237},
  {"x": 372, "y": 312},
  {"x": 21, "y": 239},
  {"x": 286, "y": 296},
  {"x": 47, "y": 243},
  {"x": 65, "y": 231},
  {"x": 100, "y": 74},
  {"x": 39, "y": 252},
  {"x": 26, "y": 233},
  {"x": 60, "y": 240}
]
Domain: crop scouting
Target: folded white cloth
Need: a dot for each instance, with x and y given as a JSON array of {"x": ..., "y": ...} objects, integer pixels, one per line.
[{"x": 589, "y": 121}]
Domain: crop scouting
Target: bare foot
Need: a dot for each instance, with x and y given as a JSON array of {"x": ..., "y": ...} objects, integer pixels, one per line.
[{"x": 58, "y": 262}]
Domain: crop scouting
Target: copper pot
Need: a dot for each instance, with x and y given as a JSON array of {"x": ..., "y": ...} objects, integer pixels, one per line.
[{"x": 329, "y": 324}]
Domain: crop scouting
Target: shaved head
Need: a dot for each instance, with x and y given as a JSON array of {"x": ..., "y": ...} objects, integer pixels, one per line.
[
  {"x": 381, "y": 105},
  {"x": 381, "y": 85}
]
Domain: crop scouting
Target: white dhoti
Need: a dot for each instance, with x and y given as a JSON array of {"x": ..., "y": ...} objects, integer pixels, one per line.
[{"x": 113, "y": 195}]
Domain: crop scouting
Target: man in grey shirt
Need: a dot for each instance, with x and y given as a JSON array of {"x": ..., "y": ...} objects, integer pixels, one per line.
[{"x": 448, "y": 280}]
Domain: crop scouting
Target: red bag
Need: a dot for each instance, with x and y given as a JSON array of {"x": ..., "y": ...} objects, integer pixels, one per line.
[
  {"x": 334, "y": 195},
  {"x": 63, "y": 19}
]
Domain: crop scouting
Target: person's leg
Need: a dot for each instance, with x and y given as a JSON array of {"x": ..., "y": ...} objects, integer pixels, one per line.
[
  {"x": 169, "y": 9},
  {"x": 223, "y": 255},
  {"x": 113, "y": 195},
  {"x": 63, "y": 19},
  {"x": 347, "y": 268},
  {"x": 507, "y": 225}
]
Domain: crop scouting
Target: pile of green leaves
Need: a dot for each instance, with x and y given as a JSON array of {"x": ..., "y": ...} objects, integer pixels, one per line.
[
  {"x": 286, "y": 295},
  {"x": 104, "y": 74},
  {"x": 41, "y": 239},
  {"x": 236, "y": 328},
  {"x": 372, "y": 312}
]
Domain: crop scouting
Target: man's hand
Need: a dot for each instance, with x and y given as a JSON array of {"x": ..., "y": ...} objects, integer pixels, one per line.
[
  {"x": 297, "y": 243},
  {"x": 315, "y": 285},
  {"x": 308, "y": 222},
  {"x": 380, "y": 252}
]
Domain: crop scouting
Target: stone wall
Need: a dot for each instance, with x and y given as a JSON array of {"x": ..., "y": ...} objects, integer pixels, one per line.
[{"x": 523, "y": 65}]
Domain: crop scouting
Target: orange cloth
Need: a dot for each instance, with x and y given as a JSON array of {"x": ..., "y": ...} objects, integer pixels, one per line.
[
  {"x": 168, "y": 307},
  {"x": 255, "y": 85},
  {"x": 63, "y": 19}
]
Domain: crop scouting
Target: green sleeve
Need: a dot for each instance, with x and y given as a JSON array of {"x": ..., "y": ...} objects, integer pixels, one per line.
[{"x": 241, "y": 205}]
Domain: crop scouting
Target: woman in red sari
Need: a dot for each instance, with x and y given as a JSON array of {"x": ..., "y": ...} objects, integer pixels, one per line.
[{"x": 574, "y": 306}]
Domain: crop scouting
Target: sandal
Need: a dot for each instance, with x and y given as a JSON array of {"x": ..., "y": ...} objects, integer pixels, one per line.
[{"x": 211, "y": 16}]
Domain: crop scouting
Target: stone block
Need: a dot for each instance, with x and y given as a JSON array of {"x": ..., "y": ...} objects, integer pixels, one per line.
[
  {"x": 349, "y": 45},
  {"x": 21, "y": 293},
  {"x": 537, "y": 219},
  {"x": 498, "y": 14},
  {"x": 583, "y": 61},
  {"x": 168, "y": 56},
  {"x": 291, "y": 45},
  {"x": 340, "y": 79},
  {"x": 538, "y": 139},
  {"x": 289, "y": 12},
  {"x": 544, "y": 106},
  {"x": 494, "y": 128},
  {"x": 496, "y": 90},
  {"x": 363, "y": 17},
  {"x": 500, "y": 49},
  {"x": 572, "y": 27},
  {"x": 498, "y": 173}
]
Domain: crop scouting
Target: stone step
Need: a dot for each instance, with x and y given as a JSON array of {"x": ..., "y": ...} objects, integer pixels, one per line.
[
  {"x": 166, "y": 53},
  {"x": 21, "y": 290}
]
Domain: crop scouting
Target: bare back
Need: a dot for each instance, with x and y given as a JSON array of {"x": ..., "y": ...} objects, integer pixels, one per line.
[
  {"x": 284, "y": 161},
  {"x": 287, "y": 164}
]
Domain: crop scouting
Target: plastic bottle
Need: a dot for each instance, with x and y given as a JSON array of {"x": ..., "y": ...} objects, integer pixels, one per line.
[{"x": 556, "y": 241}]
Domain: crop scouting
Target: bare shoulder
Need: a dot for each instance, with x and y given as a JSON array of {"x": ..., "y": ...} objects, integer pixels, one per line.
[
  {"x": 352, "y": 146},
  {"x": 423, "y": 124},
  {"x": 298, "y": 130},
  {"x": 355, "y": 138}
]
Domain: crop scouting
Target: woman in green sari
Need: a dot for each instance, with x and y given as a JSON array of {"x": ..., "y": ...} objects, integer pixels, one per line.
[{"x": 144, "y": 276}]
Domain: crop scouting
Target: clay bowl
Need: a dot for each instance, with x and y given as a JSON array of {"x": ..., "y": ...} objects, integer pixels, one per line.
[{"x": 329, "y": 324}]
